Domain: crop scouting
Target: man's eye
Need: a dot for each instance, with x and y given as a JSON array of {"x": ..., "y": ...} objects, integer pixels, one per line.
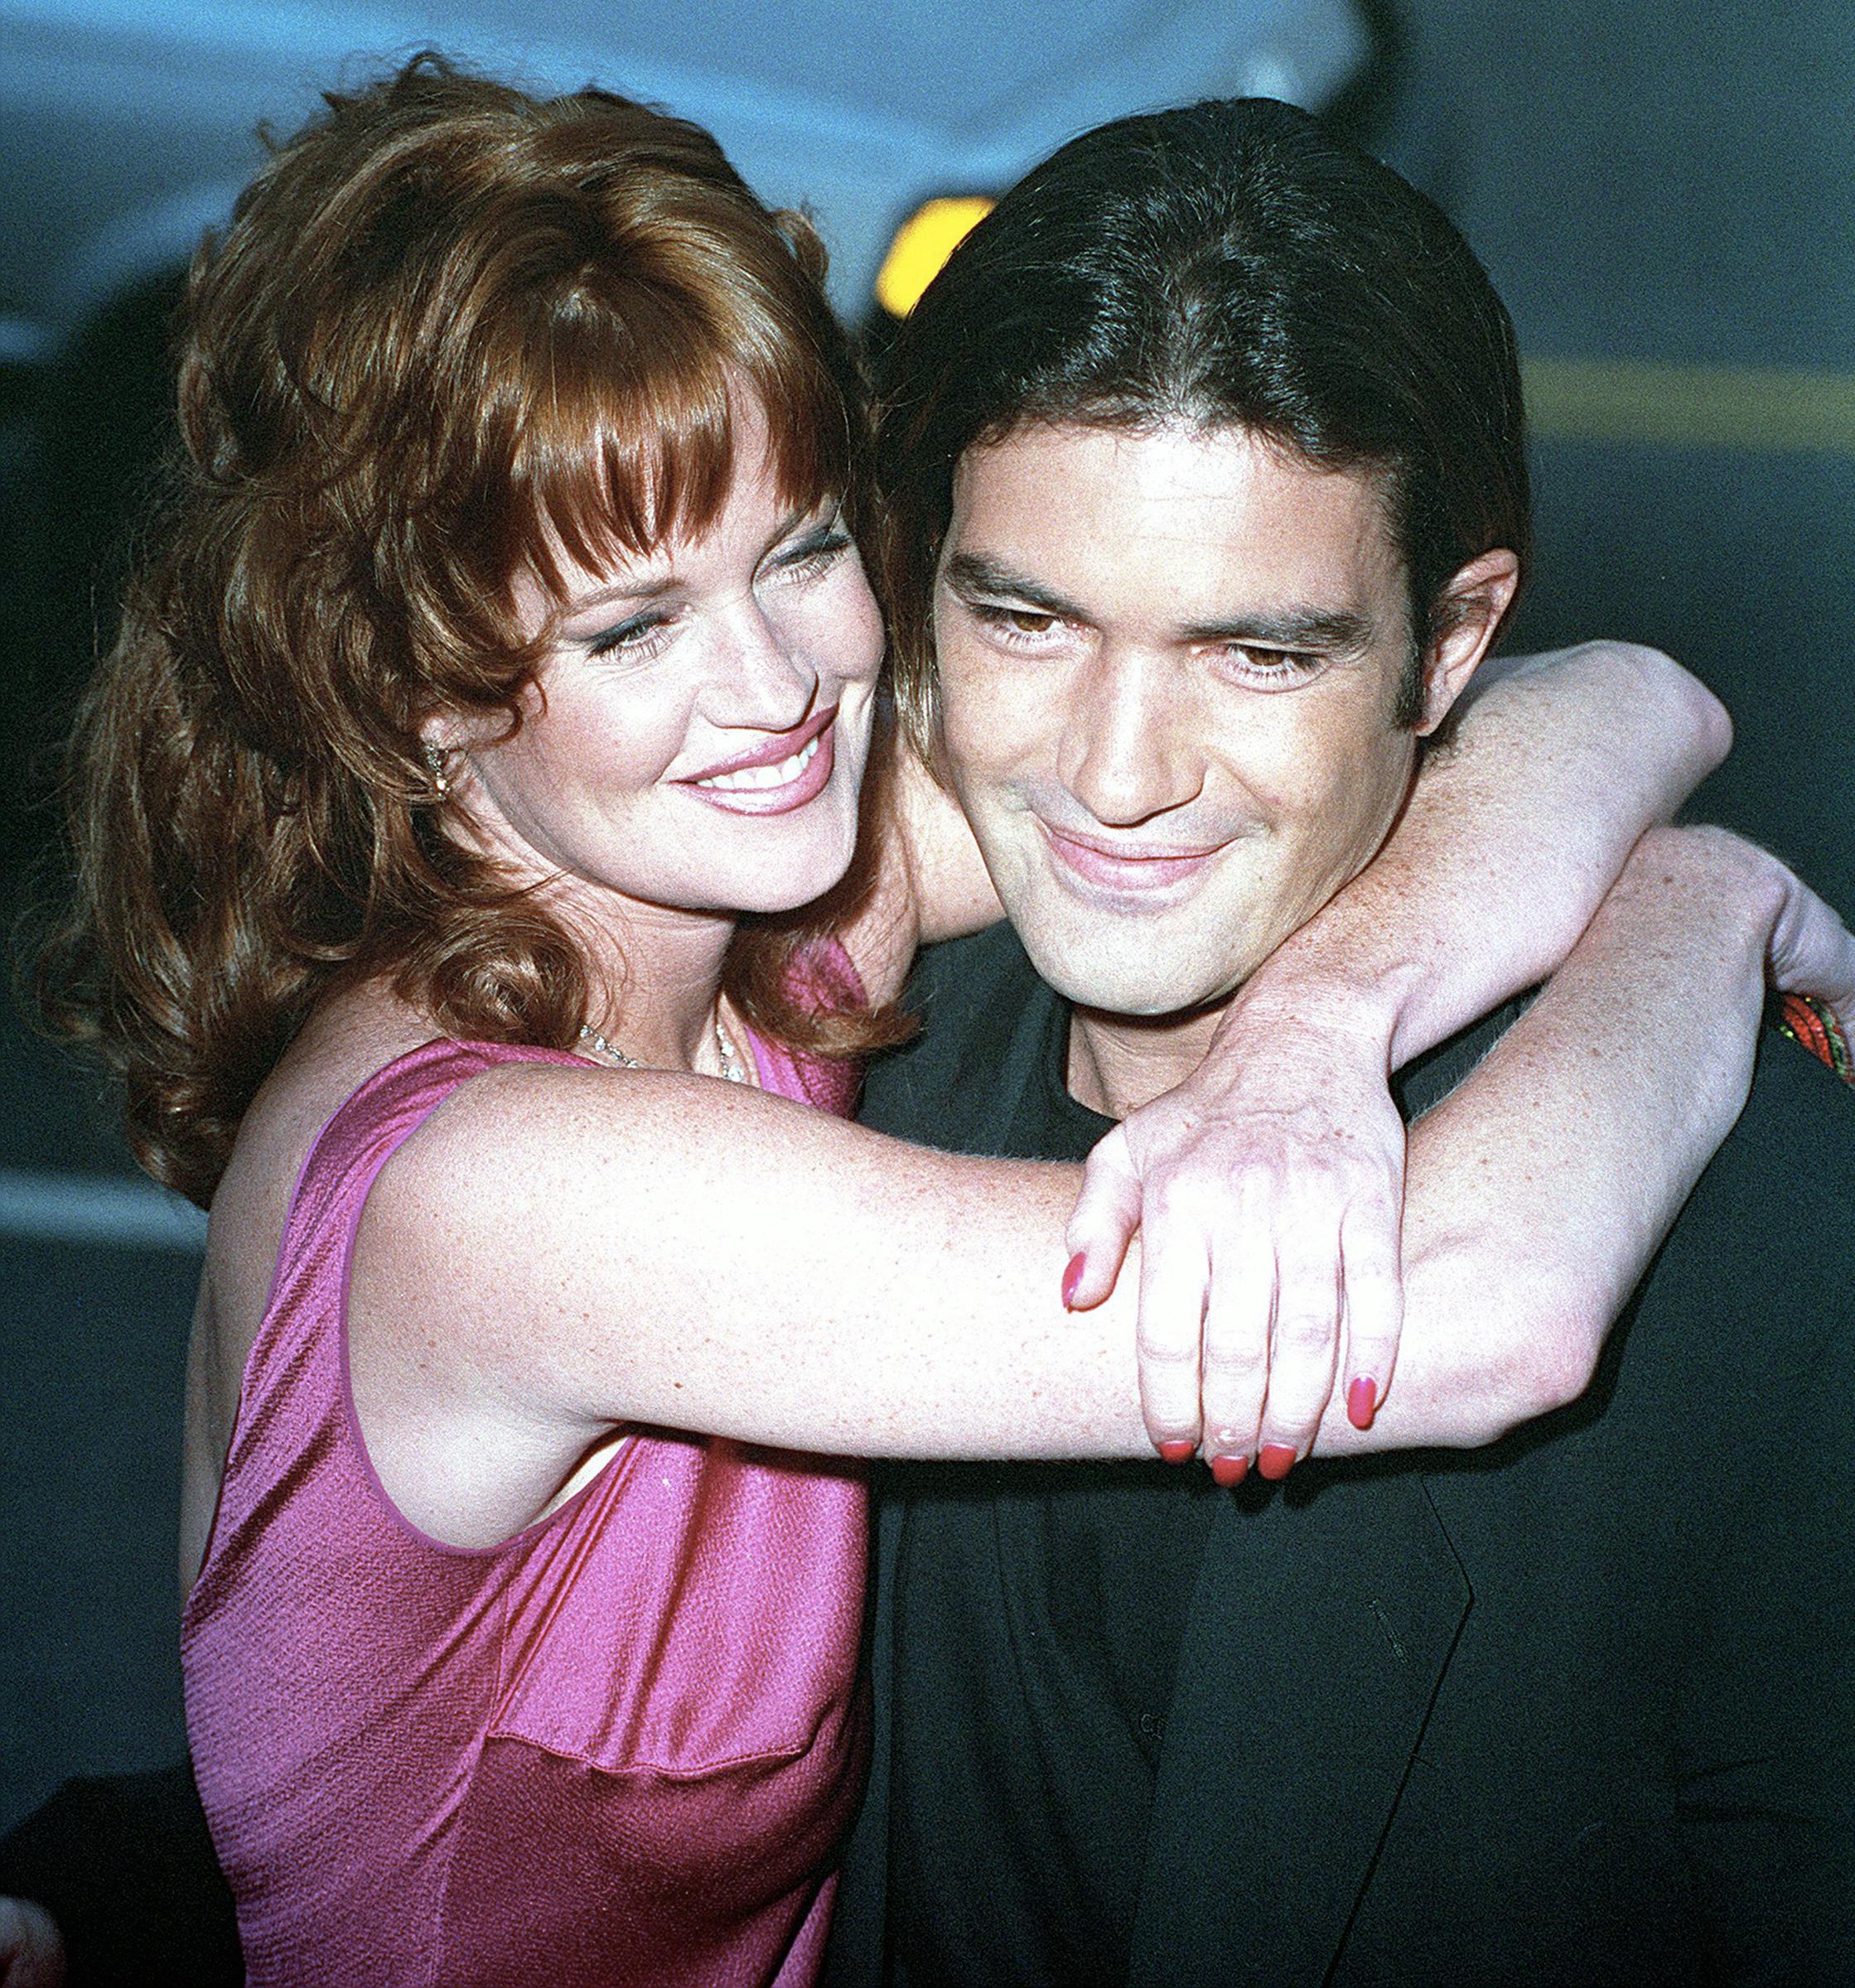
[
  {"x": 1024, "y": 623},
  {"x": 1273, "y": 668}
]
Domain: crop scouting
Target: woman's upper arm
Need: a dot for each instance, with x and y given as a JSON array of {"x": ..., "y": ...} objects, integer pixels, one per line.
[
  {"x": 669, "y": 1250},
  {"x": 927, "y": 880}
]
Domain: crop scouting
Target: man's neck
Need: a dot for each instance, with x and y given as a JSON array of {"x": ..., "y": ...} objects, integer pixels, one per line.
[{"x": 1118, "y": 1063}]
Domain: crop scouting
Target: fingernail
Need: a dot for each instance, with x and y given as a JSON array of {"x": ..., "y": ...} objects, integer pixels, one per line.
[
  {"x": 1071, "y": 1277},
  {"x": 1277, "y": 1460},
  {"x": 1229, "y": 1470},
  {"x": 1177, "y": 1452},
  {"x": 1362, "y": 1399}
]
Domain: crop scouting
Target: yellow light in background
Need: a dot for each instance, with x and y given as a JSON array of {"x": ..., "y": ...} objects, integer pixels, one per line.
[{"x": 922, "y": 244}]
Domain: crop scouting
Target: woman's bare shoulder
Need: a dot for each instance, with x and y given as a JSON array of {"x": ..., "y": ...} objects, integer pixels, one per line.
[{"x": 344, "y": 1043}]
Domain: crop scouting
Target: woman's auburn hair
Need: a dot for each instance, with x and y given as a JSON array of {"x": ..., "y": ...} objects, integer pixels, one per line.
[{"x": 451, "y": 333}]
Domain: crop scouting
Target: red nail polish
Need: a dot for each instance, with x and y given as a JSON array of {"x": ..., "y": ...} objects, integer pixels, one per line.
[
  {"x": 1277, "y": 1460},
  {"x": 1229, "y": 1470},
  {"x": 1177, "y": 1452},
  {"x": 1362, "y": 1402},
  {"x": 1071, "y": 1277}
]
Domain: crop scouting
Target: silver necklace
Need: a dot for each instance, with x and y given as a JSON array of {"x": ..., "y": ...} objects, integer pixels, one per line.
[{"x": 732, "y": 1068}]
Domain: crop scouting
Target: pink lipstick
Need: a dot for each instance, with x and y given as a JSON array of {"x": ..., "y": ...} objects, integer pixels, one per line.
[{"x": 785, "y": 772}]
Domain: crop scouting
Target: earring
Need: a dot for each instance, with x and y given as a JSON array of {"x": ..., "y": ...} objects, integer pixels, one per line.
[{"x": 434, "y": 765}]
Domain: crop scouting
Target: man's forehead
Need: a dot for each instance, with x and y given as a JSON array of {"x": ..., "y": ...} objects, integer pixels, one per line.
[{"x": 1203, "y": 513}]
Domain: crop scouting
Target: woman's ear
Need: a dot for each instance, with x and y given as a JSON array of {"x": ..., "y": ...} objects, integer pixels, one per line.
[{"x": 1471, "y": 609}]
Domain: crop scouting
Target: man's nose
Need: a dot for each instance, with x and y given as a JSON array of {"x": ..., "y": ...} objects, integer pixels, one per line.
[{"x": 1129, "y": 745}]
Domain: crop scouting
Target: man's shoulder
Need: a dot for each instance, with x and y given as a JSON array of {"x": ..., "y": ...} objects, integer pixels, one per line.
[
  {"x": 983, "y": 1013},
  {"x": 1783, "y": 1183},
  {"x": 1771, "y": 1209},
  {"x": 1793, "y": 1143}
]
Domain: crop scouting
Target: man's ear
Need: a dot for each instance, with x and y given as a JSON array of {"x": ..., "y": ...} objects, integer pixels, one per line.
[{"x": 1471, "y": 609}]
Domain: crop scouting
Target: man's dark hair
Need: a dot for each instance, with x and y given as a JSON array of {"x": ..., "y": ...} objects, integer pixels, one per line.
[{"x": 1231, "y": 264}]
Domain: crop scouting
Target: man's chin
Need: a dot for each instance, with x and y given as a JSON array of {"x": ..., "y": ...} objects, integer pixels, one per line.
[{"x": 1132, "y": 982}]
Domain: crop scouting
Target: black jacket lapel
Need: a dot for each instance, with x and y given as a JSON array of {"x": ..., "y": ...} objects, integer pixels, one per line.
[{"x": 1323, "y": 1619}]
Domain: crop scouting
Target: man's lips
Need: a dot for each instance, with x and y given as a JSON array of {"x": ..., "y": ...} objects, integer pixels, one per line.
[
  {"x": 1125, "y": 866},
  {"x": 785, "y": 772}
]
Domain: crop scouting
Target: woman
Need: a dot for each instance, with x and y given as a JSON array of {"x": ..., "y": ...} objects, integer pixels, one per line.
[{"x": 502, "y": 685}]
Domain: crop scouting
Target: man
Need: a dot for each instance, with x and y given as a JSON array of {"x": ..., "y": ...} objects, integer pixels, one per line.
[{"x": 1203, "y": 462}]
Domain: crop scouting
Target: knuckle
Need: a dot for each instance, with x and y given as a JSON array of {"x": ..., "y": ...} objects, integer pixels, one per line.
[
  {"x": 1156, "y": 1349},
  {"x": 1305, "y": 1332},
  {"x": 1234, "y": 1363}
]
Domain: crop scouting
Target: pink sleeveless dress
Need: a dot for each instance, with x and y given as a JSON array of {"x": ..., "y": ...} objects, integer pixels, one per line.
[{"x": 620, "y": 1747}]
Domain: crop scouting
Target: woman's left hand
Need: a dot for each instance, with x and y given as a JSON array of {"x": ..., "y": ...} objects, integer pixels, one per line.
[{"x": 1268, "y": 1193}]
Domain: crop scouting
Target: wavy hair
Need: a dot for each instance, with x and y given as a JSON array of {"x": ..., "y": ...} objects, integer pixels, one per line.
[{"x": 450, "y": 330}]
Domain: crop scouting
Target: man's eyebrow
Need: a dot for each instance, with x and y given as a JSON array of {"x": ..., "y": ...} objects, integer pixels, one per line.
[
  {"x": 968, "y": 573},
  {"x": 1339, "y": 629}
]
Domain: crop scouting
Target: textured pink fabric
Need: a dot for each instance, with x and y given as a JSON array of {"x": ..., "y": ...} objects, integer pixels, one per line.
[{"x": 620, "y": 1747}]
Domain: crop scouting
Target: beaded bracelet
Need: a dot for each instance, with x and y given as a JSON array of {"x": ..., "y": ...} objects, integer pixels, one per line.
[{"x": 1812, "y": 1022}]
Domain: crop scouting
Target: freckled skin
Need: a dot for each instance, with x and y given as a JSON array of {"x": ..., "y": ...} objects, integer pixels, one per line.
[{"x": 1121, "y": 723}]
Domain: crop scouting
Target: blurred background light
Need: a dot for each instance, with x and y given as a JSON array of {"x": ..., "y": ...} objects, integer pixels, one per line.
[{"x": 922, "y": 244}]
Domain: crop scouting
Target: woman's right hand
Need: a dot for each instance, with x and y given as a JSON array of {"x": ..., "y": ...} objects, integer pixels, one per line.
[{"x": 1267, "y": 1191}]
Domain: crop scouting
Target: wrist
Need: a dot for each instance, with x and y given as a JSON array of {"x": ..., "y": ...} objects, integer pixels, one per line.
[
  {"x": 1709, "y": 874},
  {"x": 1344, "y": 1001}
]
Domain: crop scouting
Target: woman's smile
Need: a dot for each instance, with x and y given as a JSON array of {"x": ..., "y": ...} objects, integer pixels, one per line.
[{"x": 774, "y": 778}]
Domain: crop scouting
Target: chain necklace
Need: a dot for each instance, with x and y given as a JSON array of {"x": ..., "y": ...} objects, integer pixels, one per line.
[{"x": 732, "y": 1068}]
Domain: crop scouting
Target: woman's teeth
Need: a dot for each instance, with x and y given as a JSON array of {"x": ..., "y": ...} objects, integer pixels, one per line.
[{"x": 780, "y": 775}]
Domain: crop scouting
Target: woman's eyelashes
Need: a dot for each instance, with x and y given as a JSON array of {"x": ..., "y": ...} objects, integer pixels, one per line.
[
  {"x": 642, "y": 635},
  {"x": 637, "y": 636},
  {"x": 813, "y": 553}
]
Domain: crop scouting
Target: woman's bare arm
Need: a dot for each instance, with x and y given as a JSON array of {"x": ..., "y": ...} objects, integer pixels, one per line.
[
  {"x": 929, "y": 881},
  {"x": 1541, "y": 1186},
  {"x": 557, "y": 1252}
]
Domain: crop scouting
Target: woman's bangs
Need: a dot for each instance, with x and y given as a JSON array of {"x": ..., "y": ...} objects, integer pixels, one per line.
[{"x": 620, "y": 460}]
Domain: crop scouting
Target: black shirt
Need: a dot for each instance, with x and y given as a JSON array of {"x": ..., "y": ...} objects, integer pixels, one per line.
[
  {"x": 1577, "y": 1708},
  {"x": 1038, "y": 1609}
]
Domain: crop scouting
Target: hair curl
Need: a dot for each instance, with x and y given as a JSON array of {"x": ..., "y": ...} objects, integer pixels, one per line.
[{"x": 450, "y": 332}]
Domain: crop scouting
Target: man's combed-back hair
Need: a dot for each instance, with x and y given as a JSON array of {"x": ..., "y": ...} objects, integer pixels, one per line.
[
  {"x": 449, "y": 329},
  {"x": 1231, "y": 264}
]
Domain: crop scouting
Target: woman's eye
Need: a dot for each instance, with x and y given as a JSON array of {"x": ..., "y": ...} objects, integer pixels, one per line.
[
  {"x": 628, "y": 638},
  {"x": 813, "y": 553}
]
